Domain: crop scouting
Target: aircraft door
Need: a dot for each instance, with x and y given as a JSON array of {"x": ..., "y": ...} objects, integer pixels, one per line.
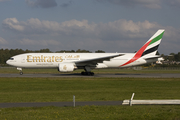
[{"x": 23, "y": 59}]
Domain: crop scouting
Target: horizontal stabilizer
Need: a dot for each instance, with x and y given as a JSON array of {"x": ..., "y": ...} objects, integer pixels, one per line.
[{"x": 152, "y": 57}]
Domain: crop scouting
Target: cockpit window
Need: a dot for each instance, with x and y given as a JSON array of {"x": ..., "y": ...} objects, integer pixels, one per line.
[{"x": 11, "y": 59}]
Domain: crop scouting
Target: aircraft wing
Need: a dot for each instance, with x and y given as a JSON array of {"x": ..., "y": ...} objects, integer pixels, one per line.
[{"x": 94, "y": 61}]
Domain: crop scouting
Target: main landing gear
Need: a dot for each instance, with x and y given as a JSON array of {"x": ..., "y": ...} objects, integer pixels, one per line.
[
  {"x": 20, "y": 69},
  {"x": 87, "y": 71}
]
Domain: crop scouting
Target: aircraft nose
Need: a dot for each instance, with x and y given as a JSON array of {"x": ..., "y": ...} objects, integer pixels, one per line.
[{"x": 7, "y": 62}]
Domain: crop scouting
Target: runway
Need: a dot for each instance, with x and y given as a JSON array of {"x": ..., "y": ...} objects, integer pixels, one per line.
[
  {"x": 96, "y": 75},
  {"x": 59, "y": 104}
]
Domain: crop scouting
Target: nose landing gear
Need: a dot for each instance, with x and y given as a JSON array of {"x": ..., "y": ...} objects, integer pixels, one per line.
[
  {"x": 21, "y": 73},
  {"x": 20, "y": 69}
]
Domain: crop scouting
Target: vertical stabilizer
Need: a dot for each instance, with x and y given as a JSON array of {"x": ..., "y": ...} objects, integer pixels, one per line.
[
  {"x": 153, "y": 43},
  {"x": 149, "y": 48}
]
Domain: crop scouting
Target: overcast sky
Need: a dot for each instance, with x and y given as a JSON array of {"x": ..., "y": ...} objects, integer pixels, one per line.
[{"x": 109, "y": 25}]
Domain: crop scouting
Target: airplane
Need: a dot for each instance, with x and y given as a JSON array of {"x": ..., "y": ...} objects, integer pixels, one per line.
[{"x": 68, "y": 62}]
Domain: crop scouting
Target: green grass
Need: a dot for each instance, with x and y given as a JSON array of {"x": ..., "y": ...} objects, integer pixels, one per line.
[
  {"x": 150, "y": 112},
  {"x": 86, "y": 89},
  {"x": 89, "y": 89}
]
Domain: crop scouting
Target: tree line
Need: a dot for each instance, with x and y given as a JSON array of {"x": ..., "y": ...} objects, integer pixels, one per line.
[{"x": 172, "y": 57}]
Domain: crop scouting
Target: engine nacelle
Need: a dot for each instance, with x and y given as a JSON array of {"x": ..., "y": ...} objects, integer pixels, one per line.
[{"x": 66, "y": 67}]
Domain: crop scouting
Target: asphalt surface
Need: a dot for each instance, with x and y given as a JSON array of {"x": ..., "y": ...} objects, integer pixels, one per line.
[
  {"x": 59, "y": 104},
  {"x": 96, "y": 75}
]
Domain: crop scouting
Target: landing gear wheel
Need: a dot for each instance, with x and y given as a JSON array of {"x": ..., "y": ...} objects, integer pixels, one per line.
[
  {"x": 82, "y": 73},
  {"x": 92, "y": 74},
  {"x": 87, "y": 73},
  {"x": 21, "y": 73}
]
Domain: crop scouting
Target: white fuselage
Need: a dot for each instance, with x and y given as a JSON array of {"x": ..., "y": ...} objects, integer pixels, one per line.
[{"x": 52, "y": 60}]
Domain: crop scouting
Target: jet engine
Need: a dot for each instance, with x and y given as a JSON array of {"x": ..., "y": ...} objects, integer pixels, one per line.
[{"x": 66, "y": 67}]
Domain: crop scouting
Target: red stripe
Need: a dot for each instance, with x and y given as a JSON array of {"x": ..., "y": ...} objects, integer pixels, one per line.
[{"x": 138, "y": 54}]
